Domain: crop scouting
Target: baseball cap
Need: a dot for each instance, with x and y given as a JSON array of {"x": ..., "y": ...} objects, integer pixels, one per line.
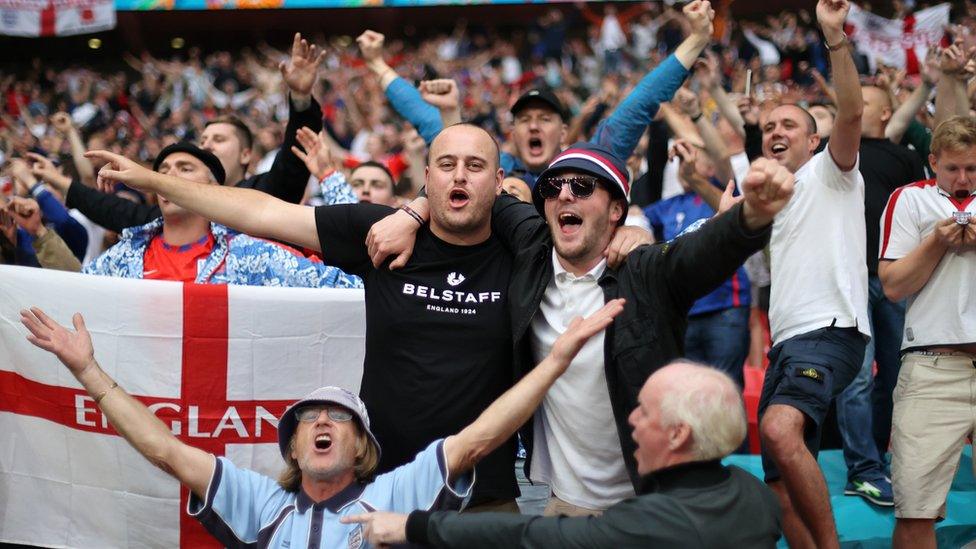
[
  {"x": 323, "y": 395},
  {"x": 591, "y": 159},
  {"x": 543, "y": 95},
  {"x": 207, "y": 157}
]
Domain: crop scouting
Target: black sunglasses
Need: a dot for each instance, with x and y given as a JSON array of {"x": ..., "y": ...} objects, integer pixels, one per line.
[{"x": 582, "y": 186}]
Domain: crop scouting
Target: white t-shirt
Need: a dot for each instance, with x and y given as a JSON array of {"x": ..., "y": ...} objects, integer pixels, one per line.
[
  {"x": 817, "y": 253},
  {"x": 943, "y": 312},
  {"x": 576, "y": 448}
]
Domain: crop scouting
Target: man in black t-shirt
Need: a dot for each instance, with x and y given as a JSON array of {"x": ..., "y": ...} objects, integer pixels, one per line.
[
  {"x": 885, "y": 166},
  {"x": 438, "y": 340}
]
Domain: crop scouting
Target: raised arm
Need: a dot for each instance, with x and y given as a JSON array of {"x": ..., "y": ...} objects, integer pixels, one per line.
[
  {"x": 246, "y": 210},
  {"x": 288, "y": 175},
  {"x": 63, "y": 124},
  {"x": 504, "y": 416},
  {"x": 903, "y": 116},
  {"x": 623, "y": 129},
  {"x": 403, "y": 97},
  {"x": 698, "y": 262},
  {"x": 140, "y": 427},
  {"x": 715, "y": 146},
  {"x": 951, "y": 95},
  {"x": 846, "y": 137}
]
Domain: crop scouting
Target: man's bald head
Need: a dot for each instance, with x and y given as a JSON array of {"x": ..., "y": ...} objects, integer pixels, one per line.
[
  {"x": 471, "y": 133},
  {"x": 877, "y": 111}
]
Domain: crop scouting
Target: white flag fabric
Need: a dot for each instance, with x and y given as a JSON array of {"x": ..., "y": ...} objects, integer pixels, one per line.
[
  {"x": 217, "y": 364},
  {"x": 901, "y": 43},
  {"x": 55, "y": 17}
]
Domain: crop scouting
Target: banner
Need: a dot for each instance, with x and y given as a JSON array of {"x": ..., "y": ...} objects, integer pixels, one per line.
[
  {"x": 55, "y": 17},
  {"x": 141, "y": 5},
  {"x": 217, "y": 364},
  {"x": 901, "y": 43}
]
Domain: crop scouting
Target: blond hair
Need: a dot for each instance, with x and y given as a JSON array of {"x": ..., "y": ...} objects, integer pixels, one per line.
[
  {"x": 956, "y": 133},
  {"x": 367, "y": 460}
]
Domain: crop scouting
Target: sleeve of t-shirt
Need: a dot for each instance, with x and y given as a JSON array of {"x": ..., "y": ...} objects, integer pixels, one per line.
[
  {"x": 238, "y": 503},
  {"x": 424, "y": 482},
  {"x": 342, "y": 233},
  {"x": 828, "y": 172},
  {"x": 900, "y": 233}
]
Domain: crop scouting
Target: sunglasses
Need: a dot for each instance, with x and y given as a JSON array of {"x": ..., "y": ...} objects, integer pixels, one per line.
[
  {"x": 581, "y": 186},
  {"x": 309, "y": 414}
]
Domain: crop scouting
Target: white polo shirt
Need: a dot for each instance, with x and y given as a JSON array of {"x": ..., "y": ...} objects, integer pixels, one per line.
[
  {"x": 817, "y": 253},
  {"x": 943, "y": 312},
  {"x": 576, "y": 448}
]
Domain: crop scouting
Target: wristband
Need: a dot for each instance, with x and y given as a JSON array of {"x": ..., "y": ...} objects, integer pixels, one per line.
[
  {"x": 413, "y": 214},
  {"x": 838, "y": 45},
  {"x": 105, "y": 392}
]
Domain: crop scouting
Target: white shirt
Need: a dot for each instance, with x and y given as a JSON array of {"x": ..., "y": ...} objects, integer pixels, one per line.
[
  {"x": 817, "y": 253},
  {"x": 576, "y": 448},
  {"x": 943, "y": 312}
]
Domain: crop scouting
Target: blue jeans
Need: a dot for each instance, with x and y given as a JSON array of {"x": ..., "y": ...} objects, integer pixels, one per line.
[
  {"x": 720, "y": 339},
  {"x": 864, "y": 408}
]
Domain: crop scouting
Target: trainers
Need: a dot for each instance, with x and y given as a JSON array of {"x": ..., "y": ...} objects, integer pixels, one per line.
[{"x": 877, "y": 491}]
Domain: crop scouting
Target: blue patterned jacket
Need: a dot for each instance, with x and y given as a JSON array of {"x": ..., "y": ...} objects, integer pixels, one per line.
[{"x": 236, "y": 258}]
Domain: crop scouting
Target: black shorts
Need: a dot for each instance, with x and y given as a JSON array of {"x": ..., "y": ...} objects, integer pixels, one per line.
[{"x": 806, "y": 372}]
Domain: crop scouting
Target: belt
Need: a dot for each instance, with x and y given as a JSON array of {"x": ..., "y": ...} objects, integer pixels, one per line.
[{"x": 959, "y": 354}]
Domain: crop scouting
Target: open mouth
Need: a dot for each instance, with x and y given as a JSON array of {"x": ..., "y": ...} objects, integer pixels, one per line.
[
  {"x": 779, "y": 148},
  {"x": 323, "y": 442},
  {"x": 458, "y": 198},
  {"x": 535, "y": 146},
  {"x": 962, "y": 194},
  {"x": 569, "y": 222}
]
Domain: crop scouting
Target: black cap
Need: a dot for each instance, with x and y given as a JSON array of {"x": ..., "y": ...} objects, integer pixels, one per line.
[
  {"x": 207, "y": 157},
  {"x": 542, "y": 95}
]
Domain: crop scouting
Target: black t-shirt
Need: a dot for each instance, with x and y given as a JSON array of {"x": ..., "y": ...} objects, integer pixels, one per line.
[
  {"x": 438, "y": 339},
  {"x": 885, "y": 167}
]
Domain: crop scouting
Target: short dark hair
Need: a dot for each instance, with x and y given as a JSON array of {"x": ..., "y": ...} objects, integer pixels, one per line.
[
  {"x": 374, "y": 164},
  {"x": 243, "y": 132}
]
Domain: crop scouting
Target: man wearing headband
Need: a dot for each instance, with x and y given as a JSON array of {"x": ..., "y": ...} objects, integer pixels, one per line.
[
  {"x": 327, "y": 444},
  {"x": 181, "y": 245}
]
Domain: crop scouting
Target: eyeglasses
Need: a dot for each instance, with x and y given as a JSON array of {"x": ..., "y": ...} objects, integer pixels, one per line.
[
  {"x": 308, "y": 414},
  {"x": 579, "y": 186}
]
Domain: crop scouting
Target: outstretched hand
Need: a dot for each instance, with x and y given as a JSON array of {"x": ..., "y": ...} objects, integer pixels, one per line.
[
  {"x": 582, "y": 329},
  {"x": 316, "y": 156},
  {"x": 119, "y": 169},
  {"x": 301, "y": 69},
  {"x": 73, "y": 348},
  {"x": 381, "y": 528}
]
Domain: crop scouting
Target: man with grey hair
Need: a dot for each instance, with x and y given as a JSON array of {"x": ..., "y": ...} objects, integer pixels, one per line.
[{"x": 688, "y": 417}]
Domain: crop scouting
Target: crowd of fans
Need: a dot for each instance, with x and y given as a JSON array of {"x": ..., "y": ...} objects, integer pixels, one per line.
[{"x": 677, "y": 114}]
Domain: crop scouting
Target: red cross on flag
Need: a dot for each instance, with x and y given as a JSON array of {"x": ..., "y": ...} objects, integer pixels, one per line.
[
  {"x": 217, "y": 364},
  {"x": 55, "y": 17},
  {"x": 901, "y": 43}
]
